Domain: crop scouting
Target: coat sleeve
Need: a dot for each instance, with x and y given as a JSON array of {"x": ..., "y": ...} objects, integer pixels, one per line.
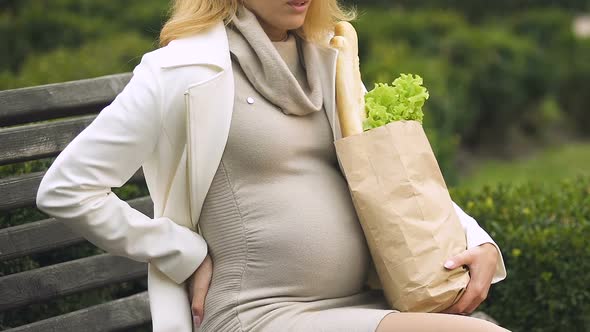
[
  {"x": 76, "y": 189},
  {"x": 477, "y": 236}
]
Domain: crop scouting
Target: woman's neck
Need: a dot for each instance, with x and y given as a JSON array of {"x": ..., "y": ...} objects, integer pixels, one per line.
[{"x": 274, "y": 33}]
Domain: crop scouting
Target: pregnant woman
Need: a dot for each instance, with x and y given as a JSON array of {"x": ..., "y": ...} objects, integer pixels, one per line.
[{"x": 233, "y": 121}]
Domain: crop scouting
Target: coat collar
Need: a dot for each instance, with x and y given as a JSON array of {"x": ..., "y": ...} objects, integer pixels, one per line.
[{"x": 209, "y": 47}]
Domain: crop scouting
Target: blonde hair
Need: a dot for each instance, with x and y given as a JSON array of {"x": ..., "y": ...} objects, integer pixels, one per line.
[{"x": 192, "y": 16}]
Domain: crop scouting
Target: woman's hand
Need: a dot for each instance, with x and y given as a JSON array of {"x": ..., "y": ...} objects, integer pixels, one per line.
[
  {"x": 481, "y": 261},
  {"x": 198, "y": 286}
]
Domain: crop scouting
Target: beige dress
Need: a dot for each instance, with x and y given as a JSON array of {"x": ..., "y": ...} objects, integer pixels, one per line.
[{"x": 288, "y": 251}]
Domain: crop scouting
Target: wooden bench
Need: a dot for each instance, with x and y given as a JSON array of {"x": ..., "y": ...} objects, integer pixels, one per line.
[{"x": 36, "y": 123}]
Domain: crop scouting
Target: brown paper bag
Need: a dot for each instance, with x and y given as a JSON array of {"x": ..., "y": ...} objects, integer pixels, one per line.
[{"x": 407, "y": 215}]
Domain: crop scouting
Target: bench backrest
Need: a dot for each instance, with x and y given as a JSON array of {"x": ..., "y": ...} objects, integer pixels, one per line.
[{"x": 59, "y": 112}]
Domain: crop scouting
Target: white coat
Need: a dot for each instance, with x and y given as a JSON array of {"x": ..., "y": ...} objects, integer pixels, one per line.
[{"x": 172, "y": 119}]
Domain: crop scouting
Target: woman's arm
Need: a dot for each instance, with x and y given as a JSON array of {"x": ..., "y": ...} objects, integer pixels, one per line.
[
  {"x": 477, "y": 236},
  {"x": 485, "y": 263},
  {"x": 77, "y": 187}
]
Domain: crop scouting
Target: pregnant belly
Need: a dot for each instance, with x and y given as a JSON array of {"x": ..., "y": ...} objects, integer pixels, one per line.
[{"x": 305, "y": 246}]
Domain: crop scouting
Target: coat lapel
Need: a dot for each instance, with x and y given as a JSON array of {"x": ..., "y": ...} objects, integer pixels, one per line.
[
  {"x": 209, "y": 112},
  {"x": 209, "y": 47},
  {"x": 208, "y": 108}
]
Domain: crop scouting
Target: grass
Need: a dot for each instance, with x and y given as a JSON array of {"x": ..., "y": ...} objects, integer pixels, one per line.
[{"x": 548, "y": 167}]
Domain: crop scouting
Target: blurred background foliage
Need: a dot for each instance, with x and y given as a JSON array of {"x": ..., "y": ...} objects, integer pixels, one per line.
[{"x": 508, "y": 118}]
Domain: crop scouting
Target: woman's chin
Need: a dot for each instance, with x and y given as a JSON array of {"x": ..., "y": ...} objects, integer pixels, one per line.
[{"x": 296, "y": 24}]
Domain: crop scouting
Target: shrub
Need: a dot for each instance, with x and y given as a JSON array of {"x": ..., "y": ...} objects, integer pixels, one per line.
[
  {"x": 33, "y": 30},
  {"x": 568, "y": 76},
  {"x": 543, "y": 234},
  {"x": 484, "y": 81},
  {"x": 573, "y": 88},
  {"x": 31, "y": 26},
  {"x": 419, "y": 29},
  {"x": 101, "y": 57},
  {"x": 503, "y": 76}
]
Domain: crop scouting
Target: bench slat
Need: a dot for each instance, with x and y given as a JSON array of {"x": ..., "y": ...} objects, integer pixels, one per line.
[
  {"x": 49, "y": 234},
  {"x": 20, "y": 289},
  {"x": 21, "y": 191},
  {"x": 41, "y": 140},
  {"x": 52, "y": 101},
  {"x": 125, "y": 313}
]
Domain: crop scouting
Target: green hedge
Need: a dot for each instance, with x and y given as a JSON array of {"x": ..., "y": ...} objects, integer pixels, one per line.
[{"x": 543, "y": 234}]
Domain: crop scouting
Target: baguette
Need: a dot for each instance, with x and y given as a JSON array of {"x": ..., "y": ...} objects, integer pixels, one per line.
[{"x": 350, "y": 100}]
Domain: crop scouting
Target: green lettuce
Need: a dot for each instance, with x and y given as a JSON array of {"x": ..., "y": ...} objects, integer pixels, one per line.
[{"x": 402, "y": 100}]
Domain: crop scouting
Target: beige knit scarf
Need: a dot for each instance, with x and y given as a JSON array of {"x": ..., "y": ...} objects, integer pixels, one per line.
[{"x": 267, "y": 71}]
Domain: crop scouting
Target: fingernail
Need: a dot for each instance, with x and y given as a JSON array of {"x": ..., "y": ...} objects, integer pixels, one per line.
[
  {"x": 197, "y": 321},
  {"x": 449, "y": 264}
]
